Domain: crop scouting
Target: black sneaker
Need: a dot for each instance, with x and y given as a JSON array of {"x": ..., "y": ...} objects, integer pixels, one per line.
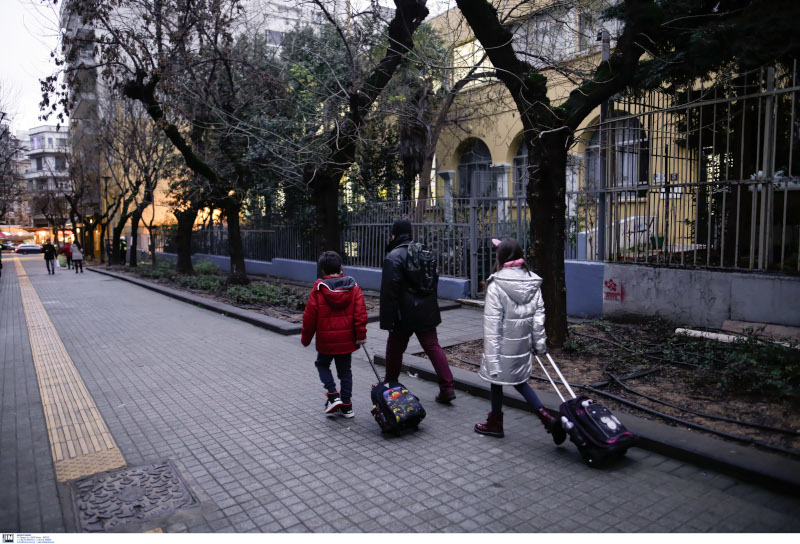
[
  {"x": 332, "y": 404},
  {"x": 346, "y": 409},
  {"x": 445, "y": 397}
]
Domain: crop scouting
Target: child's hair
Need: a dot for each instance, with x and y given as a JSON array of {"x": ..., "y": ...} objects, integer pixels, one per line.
[
  {"x": 509, "y": 250},
  {"x": 329, "y": 263}
]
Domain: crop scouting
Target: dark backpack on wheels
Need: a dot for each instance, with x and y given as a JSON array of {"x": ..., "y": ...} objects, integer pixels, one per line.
[
  {"x": 393, "y": 406},
  {"x": 598, "y": 434},
  {"x": 421, "y": 271}
]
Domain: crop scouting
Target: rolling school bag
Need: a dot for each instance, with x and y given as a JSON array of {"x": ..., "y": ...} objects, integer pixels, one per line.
[
  {"x": 598, "y": 434},
  {"x": 393, "y": 406}
]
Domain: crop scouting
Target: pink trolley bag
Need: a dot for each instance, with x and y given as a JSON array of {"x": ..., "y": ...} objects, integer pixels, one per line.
[{"x": 598, "y": 434}]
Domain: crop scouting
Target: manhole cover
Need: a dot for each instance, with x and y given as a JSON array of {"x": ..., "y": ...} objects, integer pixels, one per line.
[{"x": 112, "y": 499}]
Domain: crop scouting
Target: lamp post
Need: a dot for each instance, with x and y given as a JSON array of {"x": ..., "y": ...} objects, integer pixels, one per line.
[{"x": 104, "y": 189}]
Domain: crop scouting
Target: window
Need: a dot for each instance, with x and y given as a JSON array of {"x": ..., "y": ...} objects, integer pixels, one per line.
[
  {"x": 39, "y": 165},
  {"x": 466, "y": 56},
  {"x": 61, "y": 163},
  {"x": 628, "y": 156},
  {"x": 49, "y": 142},
  {"x": 521, "y": 169},
  {"x": 62, "y": 143},
  {"x": 474, "y": 171},
  {"x": 274, "y": 37},
  {"x": 587, "y": 35},
  {"x": 34, "y": 143}
]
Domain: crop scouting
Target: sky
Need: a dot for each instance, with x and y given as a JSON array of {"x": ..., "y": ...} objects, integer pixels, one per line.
[{"x": 28, "y": 33}]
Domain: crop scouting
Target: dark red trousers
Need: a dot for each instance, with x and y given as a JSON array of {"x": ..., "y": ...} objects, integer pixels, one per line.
[{"x": 398, "y": 342}]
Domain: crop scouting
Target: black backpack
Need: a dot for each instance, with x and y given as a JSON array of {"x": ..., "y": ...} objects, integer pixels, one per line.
[{"x": 421, "y": 269}]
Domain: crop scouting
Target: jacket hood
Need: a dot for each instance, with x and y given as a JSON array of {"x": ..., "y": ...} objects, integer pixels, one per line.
[
  {"x": 520, "y": 286},
  {"x": 337, "y": 290}
]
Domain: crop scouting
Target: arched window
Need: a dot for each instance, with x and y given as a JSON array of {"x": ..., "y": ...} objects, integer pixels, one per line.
[
  {"x": 628, "y": 156},
  {"x": 474, "y": 171},
  {"x": 521, "y": 169}
]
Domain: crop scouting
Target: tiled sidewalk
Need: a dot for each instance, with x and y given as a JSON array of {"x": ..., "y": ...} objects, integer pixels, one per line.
[{"x": 239, "y": 410}]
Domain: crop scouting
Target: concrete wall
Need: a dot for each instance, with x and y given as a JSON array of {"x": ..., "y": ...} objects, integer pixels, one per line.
[
  {"x": 700, "y": 297},
  {"x": 584, "y": 288},
  {"x": 367, "y": 278},
  {"x": 686, "y": 297}
]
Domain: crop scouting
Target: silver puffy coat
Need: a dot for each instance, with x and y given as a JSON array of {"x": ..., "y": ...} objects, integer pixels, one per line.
[{"x": 513, "y": 323}]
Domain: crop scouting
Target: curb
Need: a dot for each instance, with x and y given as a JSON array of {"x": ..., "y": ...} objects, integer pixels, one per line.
[
  {"x": 763, "y": 468},
  {"x": 265, "y": 322}
]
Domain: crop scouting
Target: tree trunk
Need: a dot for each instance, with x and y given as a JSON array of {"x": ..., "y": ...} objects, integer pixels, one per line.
[
  {"x": 546, "y": 198},
  {"x": 183, "y": 239},
  {"x": 116, "y": 234},
  {"x": 326, "y": 201},
  {"x": 88, "y": 234},
  {"x": 103, "y": 253},
  {"x": 136, "y": 217},
  {"x": 152, "y": 244},
  {"x": 424, "y": 188},
  {"x": 238, "y": 274}
]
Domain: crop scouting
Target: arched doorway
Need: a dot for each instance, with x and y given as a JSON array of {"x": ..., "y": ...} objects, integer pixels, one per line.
[{"x": 474, "y": 171}]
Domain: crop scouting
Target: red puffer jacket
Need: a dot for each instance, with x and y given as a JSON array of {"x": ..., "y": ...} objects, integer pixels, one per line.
[{"x": 336, "y": 312}]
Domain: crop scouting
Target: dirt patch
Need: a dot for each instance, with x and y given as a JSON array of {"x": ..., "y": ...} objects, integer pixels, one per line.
[
  {"x": 270, "y": 297},
  {"x": 680, "y": 376}
]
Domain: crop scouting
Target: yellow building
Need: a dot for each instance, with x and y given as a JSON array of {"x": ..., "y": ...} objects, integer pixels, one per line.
[{"x": 667, "y": 173}]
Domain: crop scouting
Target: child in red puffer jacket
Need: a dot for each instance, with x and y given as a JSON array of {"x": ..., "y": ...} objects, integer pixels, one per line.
[{"x": 336, "y": 312}]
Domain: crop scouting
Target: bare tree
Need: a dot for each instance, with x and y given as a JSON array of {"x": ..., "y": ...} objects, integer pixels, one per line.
[
  {"x": 12, "y": 187},
  {"x": 653, "y": 42}
]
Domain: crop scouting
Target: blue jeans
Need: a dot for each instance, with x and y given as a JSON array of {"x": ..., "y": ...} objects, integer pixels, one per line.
[
  {"x": 343, "y": 371},
  {"x": 524, "y": 389},
  {"x": 51, "y": 266}
]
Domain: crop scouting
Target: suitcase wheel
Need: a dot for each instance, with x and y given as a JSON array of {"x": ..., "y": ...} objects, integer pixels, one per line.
[{"x": 589, "y": 457}]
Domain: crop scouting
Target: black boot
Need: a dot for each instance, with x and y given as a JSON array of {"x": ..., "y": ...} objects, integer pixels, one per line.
[{"x": 552, "y": 425}]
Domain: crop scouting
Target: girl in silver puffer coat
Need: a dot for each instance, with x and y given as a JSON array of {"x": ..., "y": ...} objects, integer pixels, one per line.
[{"x": 513, "y": 325}]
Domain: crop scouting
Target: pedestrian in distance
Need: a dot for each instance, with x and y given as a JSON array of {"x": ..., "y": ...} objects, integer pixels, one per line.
[
  {"x": 513, "y": 326},
  {"x": 49, "y": 256},
  {"x": 336, "y": 313},
  {"x": 76, "y": 254},
  {"x": 67, "y": 252},
  {"x": 1, "y": 264},
  {"x": 409, "y": 305},
  {"x": 123, "y": 249}
]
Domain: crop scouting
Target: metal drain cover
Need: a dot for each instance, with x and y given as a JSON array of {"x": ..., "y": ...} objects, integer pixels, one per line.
[{"x": 113, "y": 499}]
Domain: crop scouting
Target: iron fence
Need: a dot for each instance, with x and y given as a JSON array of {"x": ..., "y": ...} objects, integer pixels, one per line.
[
  {"x": 701, "y": 177},
  {"x": 704, "y": 176}
]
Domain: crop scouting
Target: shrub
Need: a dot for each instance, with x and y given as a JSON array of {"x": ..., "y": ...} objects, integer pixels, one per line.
[
  {"x": 161, "y": 270},
  {"x": 206, "y": 268},
  {"x": 242, "y": 294}
]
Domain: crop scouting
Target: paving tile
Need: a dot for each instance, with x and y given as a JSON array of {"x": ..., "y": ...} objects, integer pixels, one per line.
[{"x": 236, "y": 404}]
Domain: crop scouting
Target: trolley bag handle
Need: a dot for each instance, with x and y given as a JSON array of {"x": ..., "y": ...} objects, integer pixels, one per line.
[
  {"x": 369, "y": 358},
  {"x": 561, "y": 376}
]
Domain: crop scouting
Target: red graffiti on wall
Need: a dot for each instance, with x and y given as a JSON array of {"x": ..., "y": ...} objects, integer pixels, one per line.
[{"x": 613, "y": 291}]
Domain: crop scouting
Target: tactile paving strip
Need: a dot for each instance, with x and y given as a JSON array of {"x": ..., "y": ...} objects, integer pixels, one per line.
[{"x": 80, "y": 441}]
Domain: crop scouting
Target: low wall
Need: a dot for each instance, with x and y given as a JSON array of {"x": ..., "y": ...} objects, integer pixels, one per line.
[
  {"x": 699, "y": 297},
  {"x": 584, "y": 288},
  {"x": 367, "y": 278},
  {"x": 686, "y": 297}
]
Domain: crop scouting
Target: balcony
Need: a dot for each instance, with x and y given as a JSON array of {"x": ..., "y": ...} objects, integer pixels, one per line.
[{"x": 84, "y": 104}]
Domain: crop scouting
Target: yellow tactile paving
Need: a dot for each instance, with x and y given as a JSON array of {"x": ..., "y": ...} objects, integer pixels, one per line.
[{"x": 80, "y": 441}]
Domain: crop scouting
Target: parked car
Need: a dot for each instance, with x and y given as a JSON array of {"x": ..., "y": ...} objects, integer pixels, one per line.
[
  {"x": 7, "y": 246},
  {"x": 28, "y": 247}
]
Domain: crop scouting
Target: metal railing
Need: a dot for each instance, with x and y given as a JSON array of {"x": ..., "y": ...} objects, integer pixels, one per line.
[{"x": 702, "y": 177}]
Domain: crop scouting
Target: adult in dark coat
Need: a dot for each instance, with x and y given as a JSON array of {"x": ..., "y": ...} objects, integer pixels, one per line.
[
  {"x": 404, "y": 313},
  {"x": 49, "y": 257}
]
